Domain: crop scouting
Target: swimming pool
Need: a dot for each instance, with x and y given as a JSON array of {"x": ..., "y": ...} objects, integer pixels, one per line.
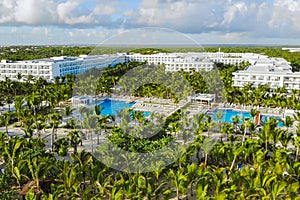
[
  {"x": 111, "y": 107},
  {"x": 228, "y": 114}
]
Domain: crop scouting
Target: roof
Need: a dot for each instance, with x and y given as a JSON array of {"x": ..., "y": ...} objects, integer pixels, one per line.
[
  {"x": 204, "y": 97},
  {"x": 66, "y": 59},
  {"x": 81, "y": 97}
]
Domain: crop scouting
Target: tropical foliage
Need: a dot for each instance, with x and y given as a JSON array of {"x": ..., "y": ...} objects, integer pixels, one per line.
[{"x": 246, "y": 162}]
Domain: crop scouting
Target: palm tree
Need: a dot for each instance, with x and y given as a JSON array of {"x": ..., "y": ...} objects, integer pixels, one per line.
[
  {"x": 237, "y": 149},
  {"x": 74, "y": 137},
  {"x": 207, "y": 146},
  {"x": 68, "y": 183},
  {"x": 34, "y": 100},
  {"x": 227, "y": 129},
  {"x": 219, "y": 116},
  {"x": 253, "y": 113},
  {"x": 83, "y": 111},
  {"x": 296, "y": 143},
  {"x": 179, "y": 180},
  {"x": 175, "y": 127},
  {"x": 28, "y": 131},
  {"x": 19, "y": 76},
  {"x": 1, "y": 104},
  {"x": 11, "y": 151},
  {"x": 38, "y": 167},
  {"x": 90, "y": 123},
  {"x": 67, "y": 113},
  {"x": 138, "y": 116},
  {"x": 198, "y": 123},
  {"x": 236, "y": 121},
  {"x": 97, "y": 111},
  {"x": 209, "y": 123},
  {"x": 5, "y": 120},
  {"x": 9, "y": 100},
  {"x": 191, "y": 174},
  {"x": 297, "y": 119},
  {"x": 8, "y": 85},
  {"x": 85, "y": 162},
  {"x": 247, "y": 124},
  {"x": 284, "y": 137},
  {"x": 265, "y": 132},
  {"x": 55, "y": 118},
  {"x": 30, "y": 78},
  {"x": 288, "y": 122},
  {"x": 61, "y": 146},
  {"x": 19, "y": 101}
]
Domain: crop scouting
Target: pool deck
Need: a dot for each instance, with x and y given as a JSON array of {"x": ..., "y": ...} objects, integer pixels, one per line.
[
  {"x": 278, "y": 112},
  {"x": 158, "y": 105},
  {"x": 167, "y": 106}
]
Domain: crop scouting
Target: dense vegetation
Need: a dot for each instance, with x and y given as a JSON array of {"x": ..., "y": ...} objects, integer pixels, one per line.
[
  {"x": 38, "y": 52},
  {"x": 248, "y": 162},
  {"x": 148, "y": 51}
]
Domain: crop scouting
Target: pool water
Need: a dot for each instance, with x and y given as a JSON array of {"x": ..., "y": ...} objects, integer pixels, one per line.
[
  {"x": 265, "y": 118},
  {"x": 111, "y": 107},
  {"x": 229, "y": 114}
]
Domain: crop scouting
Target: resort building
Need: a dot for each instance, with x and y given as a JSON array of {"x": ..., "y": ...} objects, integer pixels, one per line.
[
  {"x": 194, "y": 61},
  {"x": 57, "y": 66},
  {"x": 78, "y": 101},
  {"x": 262, "y": 70},
  {"x": 203, "y": 98},
  {"x": 174, "y": 61},
  {"x": 291, "y": 49},
  {"x": 273, "y": 71},
  {"x": 276, "y": 72}
]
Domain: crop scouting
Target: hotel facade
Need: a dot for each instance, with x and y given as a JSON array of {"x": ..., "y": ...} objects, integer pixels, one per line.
[
  {"x": 193, "y": 61},
  {"x": 262, "y": 69},
  {"x": 276, "y": 72},
  {"x": 57, "y": 66}
]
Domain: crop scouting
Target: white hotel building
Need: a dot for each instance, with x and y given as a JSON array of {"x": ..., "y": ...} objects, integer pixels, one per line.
[
  {"x": 262, "y": 70},
  {"x": 273, "y": 71},
  {"x": 276, "y": 72},
  {"x": 197, "y": 61},
  {"x": 57, "y": 66},
  {"x": 175, "y": 61}
]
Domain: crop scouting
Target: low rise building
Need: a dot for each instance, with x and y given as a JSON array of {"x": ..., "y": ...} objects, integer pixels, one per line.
[
  {"x": 78, "y": 101},
  {"x": 194, "y": 60},
  {"x": 57, "y": 66},
  {"x": 276, "y": 72}
]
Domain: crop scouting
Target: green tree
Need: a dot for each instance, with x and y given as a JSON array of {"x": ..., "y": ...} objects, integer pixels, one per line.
[
  {"x": 55, "y": 118},
  {"x": 67, "y": 113},
  {"x": 75, "y": 139}
]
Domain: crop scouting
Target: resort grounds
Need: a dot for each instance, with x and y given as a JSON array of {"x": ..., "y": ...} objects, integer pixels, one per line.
[{"x": 164, "y": 107}]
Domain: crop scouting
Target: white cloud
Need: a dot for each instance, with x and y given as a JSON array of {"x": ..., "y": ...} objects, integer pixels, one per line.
[
  {"x": 104, "y": 9},
  {"x": 64, "y": 9},
  {"x": 231, "y": 37},
  {"x": 285, "y": 17},
  {"x": 71, "y": 34},
  {"x": 240, "y": 7},
  {"x": 53, "y": 12},
  {"x": 33, "y": 12},
  {"x": 231, "y": 19},
  {"x": 182, "y": 15},
  {"x": 36, "y": 30},
  {"x": 46, "y": 31}
]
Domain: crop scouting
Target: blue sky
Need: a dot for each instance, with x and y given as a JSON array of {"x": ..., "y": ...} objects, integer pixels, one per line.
[{"x": 51, "y": 22}]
